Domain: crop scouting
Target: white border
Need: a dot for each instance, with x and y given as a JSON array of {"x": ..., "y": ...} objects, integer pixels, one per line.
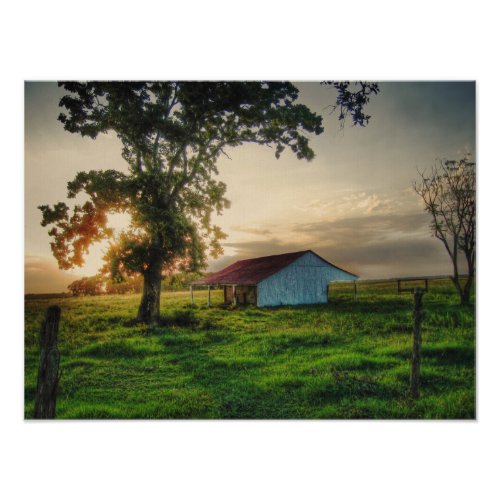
[{"x": 222, "y": 39}]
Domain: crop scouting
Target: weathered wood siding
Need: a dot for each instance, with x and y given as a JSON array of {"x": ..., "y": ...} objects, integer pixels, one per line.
[{"x": 305, "y": 281}]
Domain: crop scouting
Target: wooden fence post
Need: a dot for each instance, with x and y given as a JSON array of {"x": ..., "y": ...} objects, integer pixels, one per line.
[
  {"x": 417, "y": 343},
  {"x": 48, "y": 370}
]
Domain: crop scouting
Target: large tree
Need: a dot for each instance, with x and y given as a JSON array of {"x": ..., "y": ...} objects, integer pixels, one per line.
[
  {"x": 172, "y": 135},
  {"x": 448, "y": 191},
  {"x": 352, "y": 99}
]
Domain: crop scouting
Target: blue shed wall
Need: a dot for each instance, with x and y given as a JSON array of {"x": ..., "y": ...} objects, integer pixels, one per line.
[{"x": 304, "y": 281}]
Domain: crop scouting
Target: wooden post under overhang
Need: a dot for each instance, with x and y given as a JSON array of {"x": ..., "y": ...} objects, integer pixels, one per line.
[
  {"x": 234, "y": 295},
  {"x": 208, "y": 301}
]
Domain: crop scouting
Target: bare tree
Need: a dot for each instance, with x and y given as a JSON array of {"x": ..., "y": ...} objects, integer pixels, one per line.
[{"x": 449, "y": 195}]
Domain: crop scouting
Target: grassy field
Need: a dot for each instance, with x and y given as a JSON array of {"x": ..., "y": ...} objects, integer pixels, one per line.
[{"x": 344, "y": 360}]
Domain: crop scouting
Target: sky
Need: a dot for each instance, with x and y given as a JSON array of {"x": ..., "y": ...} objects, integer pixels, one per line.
[{"x": 353, "y": 204}]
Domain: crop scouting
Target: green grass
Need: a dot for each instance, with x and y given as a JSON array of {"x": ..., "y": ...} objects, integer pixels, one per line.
[{"x": 346, "y": 359}]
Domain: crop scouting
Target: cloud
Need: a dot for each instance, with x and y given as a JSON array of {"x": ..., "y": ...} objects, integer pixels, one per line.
[
  {"x": 252, "y": 249},
  {"x": 391, "y": 258},
  {"x": 366, "y": 227},
  {"x": 372, "y": 246},
  {"x": 356, "y": 203},
  {"x": 251, "y": 230},
  {"x": 41, "y": 275}
]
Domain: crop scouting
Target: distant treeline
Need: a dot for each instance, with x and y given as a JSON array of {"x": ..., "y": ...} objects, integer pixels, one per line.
[{"x": 101, "y": 285}]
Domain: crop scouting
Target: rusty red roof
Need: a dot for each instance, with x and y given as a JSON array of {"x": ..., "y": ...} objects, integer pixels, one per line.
[{"x": 252, "y": 271}]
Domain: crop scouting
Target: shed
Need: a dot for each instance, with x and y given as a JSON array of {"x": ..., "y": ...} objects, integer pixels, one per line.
[{"x": 285, "y": 279}]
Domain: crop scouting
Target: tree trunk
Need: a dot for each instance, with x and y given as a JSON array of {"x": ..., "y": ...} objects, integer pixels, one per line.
[
  {"x": 464, "y": 293},
  {"x": 458, "y": 288},
  {"x": 456, "y": 281},
  {"x": 465, "y": 297},
  {"x": 149, "y": 309}
]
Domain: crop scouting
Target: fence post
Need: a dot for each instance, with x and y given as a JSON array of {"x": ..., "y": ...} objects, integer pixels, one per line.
[
  {"x": 417, "y": 343},
  {"x": 48, "y": 370}
]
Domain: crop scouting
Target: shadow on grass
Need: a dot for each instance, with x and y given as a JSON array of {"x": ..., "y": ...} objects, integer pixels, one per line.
[
  {"x": 231, "y": 382},
  {"x": 114, "y": 349},
  {"x": 355, "y": 385},
  {"x": 440, "y": 355},
  {"x": 369, "y": 305},
  {"x": 451, "y": 355},
  {"x": 241, "y": 390}
]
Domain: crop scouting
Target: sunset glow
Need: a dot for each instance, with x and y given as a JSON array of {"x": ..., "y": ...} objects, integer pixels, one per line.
[{"x": 353, "y": 204}]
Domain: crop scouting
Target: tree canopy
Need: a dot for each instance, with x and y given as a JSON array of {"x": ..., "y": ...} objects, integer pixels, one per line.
[
  {"x": 172, "y": 134},
  {"x": 352, "y": 98}
]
